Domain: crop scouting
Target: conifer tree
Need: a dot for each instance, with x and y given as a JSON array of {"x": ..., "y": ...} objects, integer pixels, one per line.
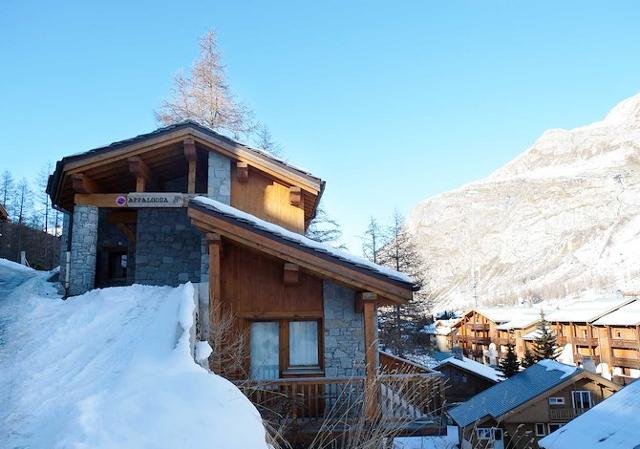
[
  {"x": 528, "y": 359},
  {"x": 509, "y": 365},
  {"x": 545, "y": 346}
]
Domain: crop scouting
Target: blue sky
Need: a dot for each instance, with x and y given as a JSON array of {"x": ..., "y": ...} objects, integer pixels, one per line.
[{"x": 389, "y": 102}]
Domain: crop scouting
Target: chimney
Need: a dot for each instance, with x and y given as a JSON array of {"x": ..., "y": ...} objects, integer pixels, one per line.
[
  {"x": 588, "y": 364},
  {"x": 457, "y": 353}
]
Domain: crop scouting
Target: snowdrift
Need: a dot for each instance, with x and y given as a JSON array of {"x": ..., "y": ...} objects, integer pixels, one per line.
[{"x": 111, "y": 369}]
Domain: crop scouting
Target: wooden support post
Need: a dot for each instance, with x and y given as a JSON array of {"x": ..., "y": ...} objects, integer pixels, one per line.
[
  {"x": 215, "y": 303},
  {"x": 295, "y": 196},
  {"x": 190, "y": 154},
  {"x": 372, "y": 399},
  {"x": 139, "y": 169},
  {"x": 291, "y": 274},
  {"x": 83, "y": 184},
  {"x": 242, "y": 171}
]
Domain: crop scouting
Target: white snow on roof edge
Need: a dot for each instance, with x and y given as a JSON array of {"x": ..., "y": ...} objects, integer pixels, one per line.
[
  {"x": 474, "y": 367},
  {"x": 272, "y": 228}
]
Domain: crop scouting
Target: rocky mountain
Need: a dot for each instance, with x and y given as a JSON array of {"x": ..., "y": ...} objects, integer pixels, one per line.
[{"x": 560, "y": 220}]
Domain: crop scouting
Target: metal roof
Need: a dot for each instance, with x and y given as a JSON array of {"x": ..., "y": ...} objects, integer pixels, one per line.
[{"x": 513, "y": 392}]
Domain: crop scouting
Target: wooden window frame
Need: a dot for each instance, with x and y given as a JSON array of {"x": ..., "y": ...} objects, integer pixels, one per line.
[
  {"x": 573, "y": 398},
  {"x": 557, "y": 400},
  {"x": 543, "y": 427}
]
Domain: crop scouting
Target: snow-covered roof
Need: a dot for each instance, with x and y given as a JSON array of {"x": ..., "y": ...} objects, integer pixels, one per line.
[
  {"x": 298, "y": 239},
  {"x": 628, "y": 315},
  {"x": 612, "y": 424},
  {"x": 522, "y": 319},
  {"x": 585, "y": 311},
  {"x": 474, "y": 367},
  {"x": 513, "y": 392}
]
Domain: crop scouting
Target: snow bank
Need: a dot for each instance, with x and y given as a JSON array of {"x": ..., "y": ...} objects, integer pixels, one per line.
[{"x": 113, "y": 368}]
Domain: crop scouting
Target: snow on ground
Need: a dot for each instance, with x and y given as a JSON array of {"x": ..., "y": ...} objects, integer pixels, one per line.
[
  {"x": 110, "y": 369},
  {"x": 612, "y": 424}
]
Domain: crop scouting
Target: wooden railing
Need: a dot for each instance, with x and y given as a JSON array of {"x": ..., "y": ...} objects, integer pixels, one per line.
[
  {"x": 565, "y": 413},
  {"x": 472, "y": 339},
  {"x": 579, "y": 358},
  {"x": 583, "y": 341},
  {"x": 626, "y": 362},
  {"x": 624, "y": 343},
  {"x": 478, "y": 326},
  {"x": 301, "y": 402}
]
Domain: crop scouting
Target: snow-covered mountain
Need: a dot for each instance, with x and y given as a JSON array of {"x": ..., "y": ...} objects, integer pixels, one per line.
[{"x": 562, "y": 219}]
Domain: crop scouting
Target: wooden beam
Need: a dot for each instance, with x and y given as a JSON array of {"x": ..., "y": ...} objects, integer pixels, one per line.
[
  {"x": 99, "y": 199},
  {"x": 242, "y": 171},
  {"x": 312, "y": 262},
  {"x": 215, "y": 301},
  {"x": 362, "y": 297},
  {"x": 139, "y": 169},
  {"x": 191, "y": 155},
  {"x": 295, "y": 196},
  {"x": 83, "y": 184},
  {"x": 372, "y": 405},
  {"x": 291, "y": 274}
]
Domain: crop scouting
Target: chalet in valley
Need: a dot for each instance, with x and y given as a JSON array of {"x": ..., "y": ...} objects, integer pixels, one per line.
[
  {"x": 186, "y": 204},
  {"x": 529, "y": 405}
]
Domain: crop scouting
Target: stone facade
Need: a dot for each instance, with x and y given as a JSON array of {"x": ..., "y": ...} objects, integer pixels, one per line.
[
  {"x": 84, "y": 238},
  {"x": 168, "y": 247},
  {"x": 63, "y": 246},
  {"x": 219, "y": 187},
  {"x": 343, "y": 332}
]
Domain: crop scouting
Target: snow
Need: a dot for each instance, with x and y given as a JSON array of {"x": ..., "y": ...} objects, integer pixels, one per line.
[
  {"x": 552, "y": 365},
  {"x": 298, "y": 238},
  {"x": 475, "y": 367},
  {"x": 586, "y": 310},
  {"x": 612, "y": 424},
  {"x": 628, "y": 315},
  {"x": 112, "y": 368}
]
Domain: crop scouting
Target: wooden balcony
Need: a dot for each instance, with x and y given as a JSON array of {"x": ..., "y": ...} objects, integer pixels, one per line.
[
  {"x": 562, "y": 340},
  {"x": 411, "y": 402},
  {"x": 581, "y": 341},
  {"x": 623, "y": 343},
  {"x": 624, "y": 362},
  {"x": 472, "y": 339},
  {"x": 579, "y": 358},
  {"x": 478, "y": 326},
  {"x": 565, "y": 413}
]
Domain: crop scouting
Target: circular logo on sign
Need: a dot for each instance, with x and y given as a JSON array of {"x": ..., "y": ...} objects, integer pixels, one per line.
[{"x": 121, "y": 201}]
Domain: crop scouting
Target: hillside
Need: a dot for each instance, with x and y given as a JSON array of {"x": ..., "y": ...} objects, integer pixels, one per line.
[
  {"x": 559, "y": 220},
  {"x": 110, "y": 369}
]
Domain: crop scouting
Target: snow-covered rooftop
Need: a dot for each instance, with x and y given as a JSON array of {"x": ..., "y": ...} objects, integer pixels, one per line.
[
  {"x": 474, "y": 367},
  {"x": 628, "y": 315},
  {"x": 586, "y": 310},
  {"x": 285, "y": 234},
  {"x": 612, "y": 424}
]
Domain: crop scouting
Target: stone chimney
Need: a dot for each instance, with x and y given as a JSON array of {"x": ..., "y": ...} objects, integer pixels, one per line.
[
  {"x": 588, "y": 364},
  {"x": 457, "y": 353}
]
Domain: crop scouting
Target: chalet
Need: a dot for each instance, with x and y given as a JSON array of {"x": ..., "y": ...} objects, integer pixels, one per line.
[
  {"x": 529, "y": 405},
  {"x": 4, "y": 216},
  {"x": 612, "y": 424},
  {"x": 186, "y": 204},
  {"x": 465, "y": 377}
]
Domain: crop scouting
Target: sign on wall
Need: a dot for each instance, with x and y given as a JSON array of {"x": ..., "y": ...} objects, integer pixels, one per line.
[{"x": 154, "y": 199}]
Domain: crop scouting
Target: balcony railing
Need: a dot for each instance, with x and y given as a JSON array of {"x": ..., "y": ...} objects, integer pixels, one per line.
[
  {"x": 478, "y": 326},
  {"x": 472, "y": 339},
  {"x": 624, "y": 343},
  {"x": 582, "y": 341},
  {"x": 625, "y": 362},
  {"x": 562, "y": 414},
  {"x": 310, "y": 402},
  {"x": 579, "y": 358}
]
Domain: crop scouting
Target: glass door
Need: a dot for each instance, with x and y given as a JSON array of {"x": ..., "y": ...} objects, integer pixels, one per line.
[{"x": 265, "y": 350}]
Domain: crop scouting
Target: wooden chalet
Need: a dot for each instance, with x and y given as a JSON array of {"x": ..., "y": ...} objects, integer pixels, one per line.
[
  {"x": 4, "y": 215},
  {"x": 184, "y": 203}
]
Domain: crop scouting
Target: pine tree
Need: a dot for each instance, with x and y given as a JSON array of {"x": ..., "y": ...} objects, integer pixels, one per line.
[
  {"x": 509, "y": 365},
  {"x": 528, "y": 359},
  {"x": 545, "y": 346}
]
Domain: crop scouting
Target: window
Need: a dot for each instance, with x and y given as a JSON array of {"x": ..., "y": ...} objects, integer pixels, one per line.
[
  {"x": 265, "y": 350},
  {"x": 554, "y": 426},
  {"x": 540, "y": 429},
  {"x": 619, "y": 334},
  {"x": 303, "y": 344},
  {"x": 483, "y": 433},
  {"x": 556, "y": 401},
  {"x": 581, "y": 399}
]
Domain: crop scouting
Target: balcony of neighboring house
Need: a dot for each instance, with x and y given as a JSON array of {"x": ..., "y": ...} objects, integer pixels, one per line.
[
  {"x": 478, "y": 326},
  {"x": 579, "y": 358},
  {"x": 626, "y": 362},
  {"x": 585, "y": 341},
  {"x": 565, "y": 413},
  {"x": 624, "y": 343},
  {"x": 562, "y": 340},
  {"x": 404, "y": 396}
]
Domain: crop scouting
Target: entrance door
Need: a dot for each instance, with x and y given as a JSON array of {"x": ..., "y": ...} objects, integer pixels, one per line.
[
  {"x": 265, "y": 350},
  {"x": 498, "y": 438}
]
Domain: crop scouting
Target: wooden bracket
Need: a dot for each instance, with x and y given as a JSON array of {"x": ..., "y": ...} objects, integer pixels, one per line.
[
  {"x": 214, "y": 239},
  {"x": 291, "y": 274},
  {"x": 139, "y": 169},
  {"x": 363, "y": 297},
  {"x": 83, "y": 184},
  {"x": 242, "y": 171},
  {"x": 295, "y": 196},
  {"x": 191, "y": 155}
]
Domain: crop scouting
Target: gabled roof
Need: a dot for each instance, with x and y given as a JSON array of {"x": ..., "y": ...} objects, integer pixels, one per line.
[
  {"x": 586, "y": 311},
  {"x": 473, "y": 367},
  {"x": 612, "y": 424},
  {"x": 514, "y": 392},
  {"x": 627, "y": 315},
  {"x": 188, "y": 127},
  {"x": 241, "y": 226}
]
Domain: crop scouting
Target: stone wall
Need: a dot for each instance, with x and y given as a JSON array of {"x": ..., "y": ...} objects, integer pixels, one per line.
[
  {"x": 84, "y": 237},
  {"x": 168, "y": 247},
  {"x": 343, "y": 333},
  {"x": 219, "y": 187},
  {"x": 63, "y": 247}
]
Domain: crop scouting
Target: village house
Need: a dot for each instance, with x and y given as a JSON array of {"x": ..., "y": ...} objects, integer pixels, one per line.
[
  {"x": 528, "y": 406},
  {"x": 4, "y": 216},
  {"x": 465, "y": 377},
  {"x": 186, "y": 204}
]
